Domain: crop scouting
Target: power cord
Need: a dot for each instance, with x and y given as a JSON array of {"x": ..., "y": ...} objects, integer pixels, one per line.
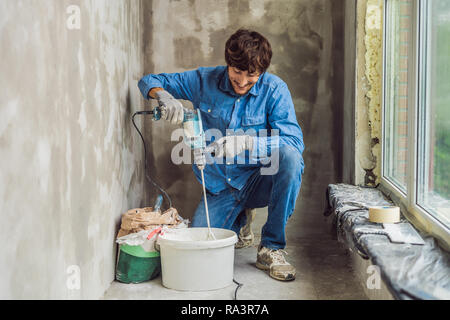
[
  {"x": 145, "y": 156},
  {"x": 239, "y": 285}
]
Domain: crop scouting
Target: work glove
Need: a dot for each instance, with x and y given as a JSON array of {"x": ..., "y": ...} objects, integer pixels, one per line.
[
  {"x": 230, "y": 146},
  {"x": 199, "y": 158},
  {"x": 171, "y": 109}
]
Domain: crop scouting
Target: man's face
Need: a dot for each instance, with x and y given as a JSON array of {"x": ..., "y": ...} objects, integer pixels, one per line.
[{"x": 242, "y": 81}]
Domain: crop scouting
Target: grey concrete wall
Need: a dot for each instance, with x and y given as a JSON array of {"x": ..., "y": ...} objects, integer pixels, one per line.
[
  {"x": 348, "y": 155},
  {"x": 307, "y": 40},
  {"x": 70, "y": 161}
]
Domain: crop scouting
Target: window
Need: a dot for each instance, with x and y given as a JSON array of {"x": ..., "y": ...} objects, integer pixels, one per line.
[
  {"x": 416, "y": 109},
  {"x": 397, "y": 53},
  {"x": 433, "y": 189}
]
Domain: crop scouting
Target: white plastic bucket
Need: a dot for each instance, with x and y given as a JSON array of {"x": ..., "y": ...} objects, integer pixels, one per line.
[{"x": 191, "y": 262}]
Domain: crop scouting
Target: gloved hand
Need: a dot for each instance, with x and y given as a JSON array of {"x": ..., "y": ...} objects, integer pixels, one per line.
[
  {"x": 199, "y": 158},
  {"x": 230, "y": 146},
  {"x": 171, "y": 109}
]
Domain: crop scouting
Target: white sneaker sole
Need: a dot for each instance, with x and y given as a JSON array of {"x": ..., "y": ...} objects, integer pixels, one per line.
[{"x": 265, "y": 267}]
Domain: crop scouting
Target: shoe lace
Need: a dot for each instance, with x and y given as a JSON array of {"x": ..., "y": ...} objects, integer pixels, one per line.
[{"x": 277, "y": 256}]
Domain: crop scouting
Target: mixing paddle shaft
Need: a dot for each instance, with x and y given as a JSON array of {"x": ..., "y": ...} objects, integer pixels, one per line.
[{"x": 210, "y": 233}]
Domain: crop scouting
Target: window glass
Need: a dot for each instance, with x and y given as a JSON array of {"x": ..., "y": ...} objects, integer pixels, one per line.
[
  {"x": 433, "y": 189},
  {"x": 397, "y": 52}
]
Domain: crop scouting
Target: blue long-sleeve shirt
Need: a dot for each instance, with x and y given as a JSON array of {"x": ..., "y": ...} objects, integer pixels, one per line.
[{"x": 268, "y": 105}]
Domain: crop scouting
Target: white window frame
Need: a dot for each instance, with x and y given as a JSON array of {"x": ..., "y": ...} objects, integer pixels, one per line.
[{"x": 415, "y": 214}]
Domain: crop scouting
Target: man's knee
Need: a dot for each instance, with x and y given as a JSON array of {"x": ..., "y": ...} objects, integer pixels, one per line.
[
  {"x": 286, "y": 159},
  {"x": 291, "y": 161}
]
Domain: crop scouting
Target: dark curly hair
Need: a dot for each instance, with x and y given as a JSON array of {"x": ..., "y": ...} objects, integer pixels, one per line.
[{"x": 248, "y": 51}]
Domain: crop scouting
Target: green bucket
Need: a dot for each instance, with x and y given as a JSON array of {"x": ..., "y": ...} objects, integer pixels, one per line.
[{"x": 135, "y": 265}]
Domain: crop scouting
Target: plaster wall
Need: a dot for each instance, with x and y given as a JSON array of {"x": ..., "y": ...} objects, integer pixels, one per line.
[
  {"x": 307, "y": 38},
  {"x": 70, "y": 162},
  {"x": 368, "y": 95}
]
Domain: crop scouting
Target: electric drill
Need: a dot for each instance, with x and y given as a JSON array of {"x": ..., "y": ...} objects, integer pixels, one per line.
[{"x": 194, "y": 136}]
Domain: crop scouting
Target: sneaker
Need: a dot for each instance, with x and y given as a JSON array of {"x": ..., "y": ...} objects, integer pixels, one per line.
[
  {"x": 274, "y": 261},
  {"x": 246, "y": 236}
]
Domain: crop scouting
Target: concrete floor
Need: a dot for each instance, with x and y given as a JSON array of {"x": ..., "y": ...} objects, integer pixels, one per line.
[{"x": 323, "y": 270}]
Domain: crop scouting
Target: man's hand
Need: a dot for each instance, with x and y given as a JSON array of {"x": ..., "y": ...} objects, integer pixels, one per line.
[
  {"x": 230, "y": 146},
  {"x": 171, "y": 109}
]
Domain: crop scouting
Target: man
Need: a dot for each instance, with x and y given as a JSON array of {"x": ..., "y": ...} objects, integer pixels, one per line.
[{"x": 242, "y": 97}]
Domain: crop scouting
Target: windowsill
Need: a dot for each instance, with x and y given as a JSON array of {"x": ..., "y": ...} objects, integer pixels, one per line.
[{"x": 409, "y": 271}]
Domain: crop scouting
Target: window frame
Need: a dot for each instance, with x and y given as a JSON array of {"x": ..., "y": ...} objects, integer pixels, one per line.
[{"x": 417, "y": 215}]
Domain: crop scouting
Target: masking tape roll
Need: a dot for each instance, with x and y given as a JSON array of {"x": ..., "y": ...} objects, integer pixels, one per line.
[{"x": 386, "y": 214}]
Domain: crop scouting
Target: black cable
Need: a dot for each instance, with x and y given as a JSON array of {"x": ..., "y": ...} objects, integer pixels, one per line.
[
  {"x": 239, "y": 285},
  {"x": 145, "y": 157}
]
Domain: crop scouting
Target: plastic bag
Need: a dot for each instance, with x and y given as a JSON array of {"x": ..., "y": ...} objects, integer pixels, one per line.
[{"x": 136, "y": 220}]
